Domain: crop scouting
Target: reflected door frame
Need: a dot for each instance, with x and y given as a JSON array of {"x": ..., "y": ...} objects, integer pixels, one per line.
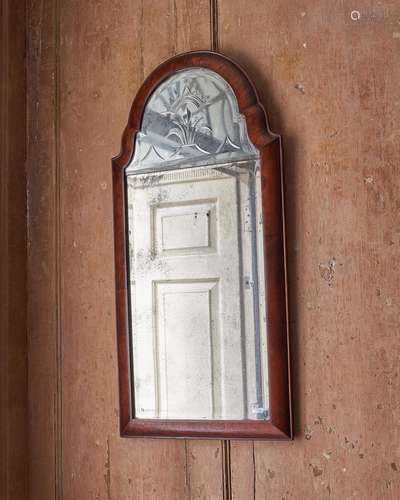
[{"x": 279, "y": 424}]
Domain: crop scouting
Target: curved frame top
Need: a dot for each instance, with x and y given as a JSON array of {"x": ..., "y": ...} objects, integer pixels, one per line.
[{"x": 279, "y": 425}]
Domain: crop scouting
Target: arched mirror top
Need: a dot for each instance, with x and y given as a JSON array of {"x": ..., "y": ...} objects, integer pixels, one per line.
[
  {"x": 200, "y": 258},
  {"x": 192, "y": 118}
]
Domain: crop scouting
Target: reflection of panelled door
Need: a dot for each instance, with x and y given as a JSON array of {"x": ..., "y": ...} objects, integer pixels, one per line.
[{"x": 185, "y": 292}]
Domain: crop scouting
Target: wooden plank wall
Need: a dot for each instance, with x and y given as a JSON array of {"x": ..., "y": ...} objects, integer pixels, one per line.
[
  {"x": 328, "y": 74},
  {"x": 13, "y": 343}
]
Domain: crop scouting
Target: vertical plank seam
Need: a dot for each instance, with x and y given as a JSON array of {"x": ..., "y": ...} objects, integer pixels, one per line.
[
  {"x": 141, "y": 41},
  {"x": 58, "y": 257},
  {"x": 226, "y": 470},
  {"x": 28, "y": 65},
  {"x": 254, "y": 472},
  {"x": 229, "y": 469},
  {"x": 214, "y": 25},
  {"x": 27, "y": 329},
  {"x": 223, "y": 462},
  {"x": 107, "y": 475},
  {"x": 175, "y": 28},
  {"x": 26, "y": 463},
  {"x": 187, "y": 475},
  {"x": 4, "y": 246}
]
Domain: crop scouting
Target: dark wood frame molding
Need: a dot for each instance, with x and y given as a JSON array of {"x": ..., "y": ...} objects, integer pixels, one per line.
[{"x": 279, "y": 426}]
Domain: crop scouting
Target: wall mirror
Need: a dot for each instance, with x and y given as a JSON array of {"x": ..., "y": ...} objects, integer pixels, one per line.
[{"x": 200, "y": 258}]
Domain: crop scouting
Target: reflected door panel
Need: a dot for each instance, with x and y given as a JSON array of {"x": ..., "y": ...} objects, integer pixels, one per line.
[
  {"x": 198, "y": 322},
  {"x": 187, "y": 336},
  {"x": 186, "y": 291}
]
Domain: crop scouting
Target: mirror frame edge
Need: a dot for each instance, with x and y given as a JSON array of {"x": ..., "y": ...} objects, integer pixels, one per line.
[{"x": 279, "y": 425}]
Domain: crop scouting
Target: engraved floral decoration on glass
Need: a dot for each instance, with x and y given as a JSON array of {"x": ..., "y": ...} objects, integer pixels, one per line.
[{"x": 192, "y": 116}]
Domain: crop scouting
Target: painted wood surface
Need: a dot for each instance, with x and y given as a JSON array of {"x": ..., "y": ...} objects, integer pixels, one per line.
[
  {"x": 43, "y": 257},
  {"x": 331, "y": 85},
  {"x": 328, "y": 73},
  {"x": 13, "y": 344}
]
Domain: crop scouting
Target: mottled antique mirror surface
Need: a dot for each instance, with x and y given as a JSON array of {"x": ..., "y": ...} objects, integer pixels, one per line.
[{"x": 200, "y": 267}]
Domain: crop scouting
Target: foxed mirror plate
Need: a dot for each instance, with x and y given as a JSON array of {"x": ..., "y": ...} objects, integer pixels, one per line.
[{"x": 196, "y": 278}]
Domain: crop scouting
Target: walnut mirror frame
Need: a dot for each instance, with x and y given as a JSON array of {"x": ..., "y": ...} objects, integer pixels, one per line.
[{"x": 250, "y": 155}]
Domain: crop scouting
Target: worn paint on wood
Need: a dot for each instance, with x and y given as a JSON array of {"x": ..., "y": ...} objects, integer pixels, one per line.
[
  {"x": 204, "y": 470},
  {"x": 329, "y": 79},
  {"x": 13, "y": 345},
  {"x": 43, "y": 259},
  {"x": 330, "y": 84},
  {"x": 99, "y": 57}
]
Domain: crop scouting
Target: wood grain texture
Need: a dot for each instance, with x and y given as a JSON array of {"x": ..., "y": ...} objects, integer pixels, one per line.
[
  {"x": 103, "y": 50},
  {"x": 205, "y": 470},
  {"x": 242, "y": 470},
  {"x": 13, "y": 344},
  {"x": 331, "y": 86},
  {"x": 43, "y": 297},
  {"x": 98, "y": 70}
]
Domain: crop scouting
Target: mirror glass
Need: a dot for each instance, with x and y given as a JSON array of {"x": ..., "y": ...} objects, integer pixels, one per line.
[{"x": 196, "y": 264}]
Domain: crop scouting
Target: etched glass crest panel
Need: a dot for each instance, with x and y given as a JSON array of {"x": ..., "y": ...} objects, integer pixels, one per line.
[{"x": 196, "y": 261}]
